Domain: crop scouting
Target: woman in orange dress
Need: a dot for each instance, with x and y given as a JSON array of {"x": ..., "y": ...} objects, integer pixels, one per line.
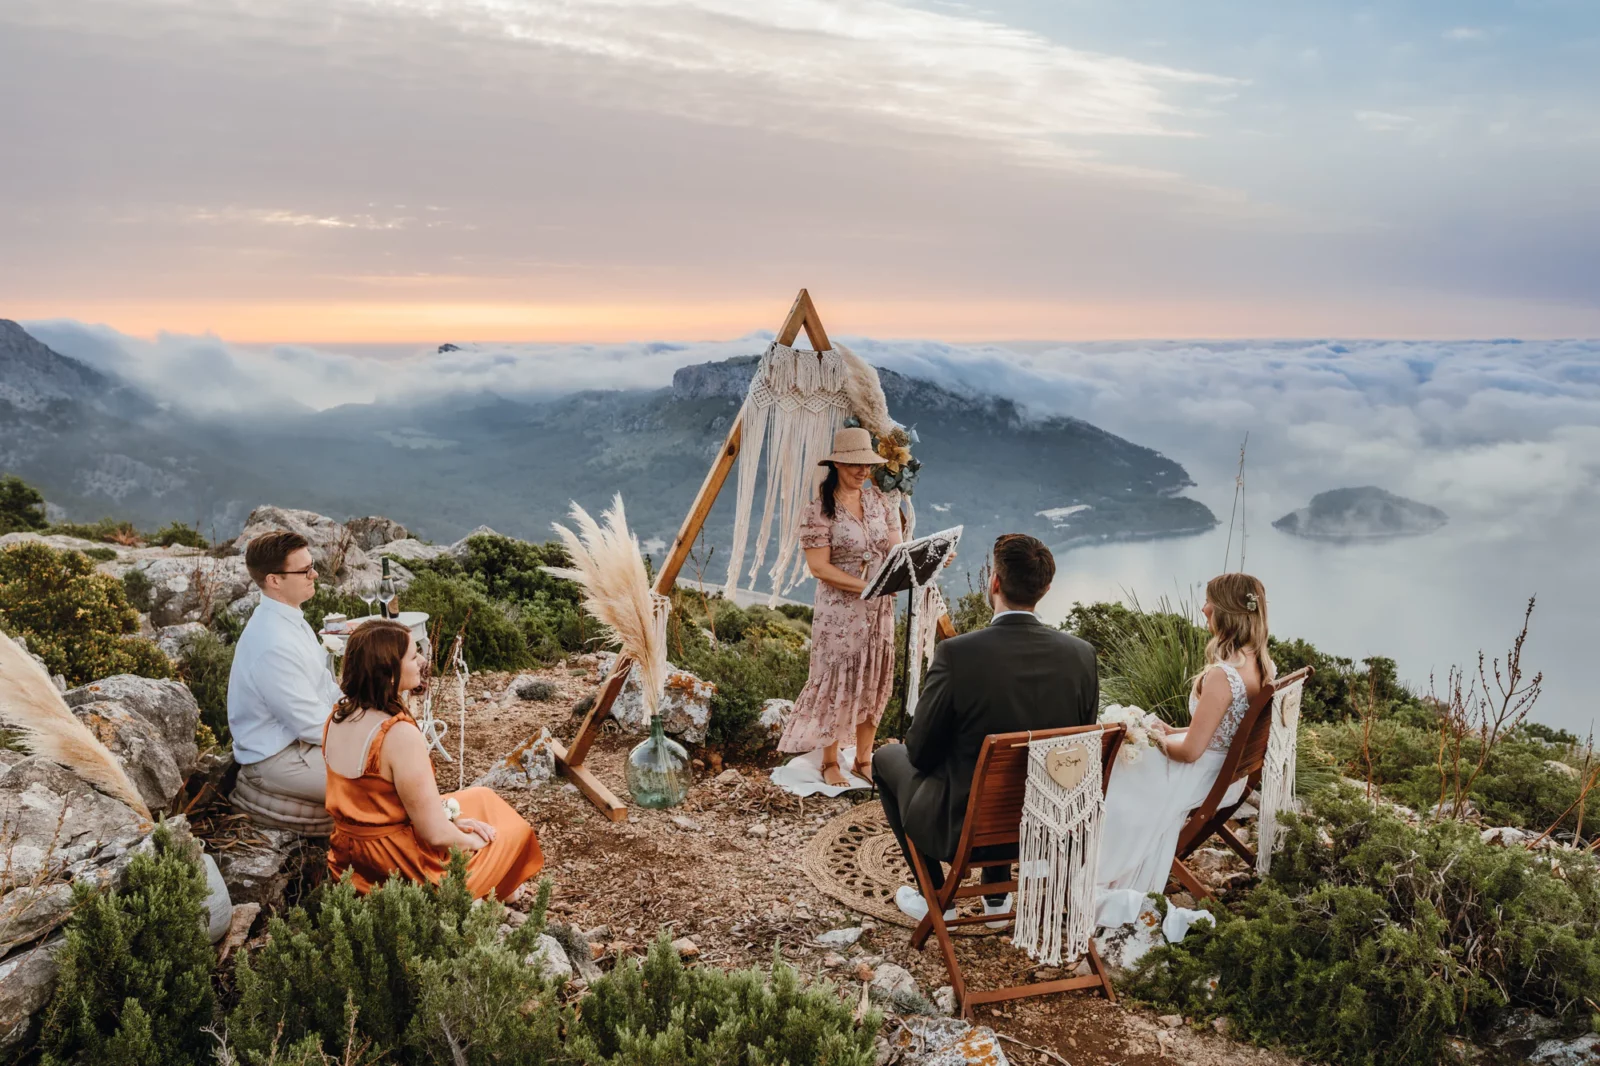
[{"x": 388, "y": 816}]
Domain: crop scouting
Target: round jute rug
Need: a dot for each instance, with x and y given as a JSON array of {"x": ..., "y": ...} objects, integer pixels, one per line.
[{"x": 856, "y": 860}]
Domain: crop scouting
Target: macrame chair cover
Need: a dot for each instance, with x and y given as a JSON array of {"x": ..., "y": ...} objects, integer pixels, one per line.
[
  {"x": 1059, "y": 848},
  {"x": 1277, "y": 773}
]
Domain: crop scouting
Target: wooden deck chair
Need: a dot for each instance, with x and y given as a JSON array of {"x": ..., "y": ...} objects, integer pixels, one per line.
[
  {"x": 1245, "y": 757},
  {"x": 994, "y": 818}
]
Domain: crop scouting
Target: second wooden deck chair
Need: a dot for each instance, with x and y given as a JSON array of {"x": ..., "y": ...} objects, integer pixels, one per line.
[
  {"x": 1245, "y": 757},
  {"x": 994, "y": 819}
]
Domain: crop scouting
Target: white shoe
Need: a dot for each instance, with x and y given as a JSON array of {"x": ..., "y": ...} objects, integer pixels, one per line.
[
  {"x": 1002, "y": 908},
  {"x": 913, "y": 906}
]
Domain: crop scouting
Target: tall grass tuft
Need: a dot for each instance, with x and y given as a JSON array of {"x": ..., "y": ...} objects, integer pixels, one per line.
[{"x": 1152, "y": 659}]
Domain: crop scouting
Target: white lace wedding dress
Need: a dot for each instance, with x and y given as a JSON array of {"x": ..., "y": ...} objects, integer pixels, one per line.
[{"x": 1147, "y": 803}]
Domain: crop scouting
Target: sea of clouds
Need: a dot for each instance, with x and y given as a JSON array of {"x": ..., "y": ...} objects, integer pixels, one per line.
[{"x": 1503, "y": 435}]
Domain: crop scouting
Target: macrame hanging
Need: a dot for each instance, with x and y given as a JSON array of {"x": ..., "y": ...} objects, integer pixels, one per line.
[
  {"x": 929, "y": 608},
  {"x": 1059, "y": 848},
  {"x": 796, "y": 402},
  {"x": 458, "y": 663},
  {"x": 1277, "y": 773},
  {"x": 433, "y": 729}
]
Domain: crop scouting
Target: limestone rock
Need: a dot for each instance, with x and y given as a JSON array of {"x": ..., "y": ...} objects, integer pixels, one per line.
[
  {"x": 551, "y": 959},
  {"x": 259, "y": 873},
  {"x": 1504, "y": 835},
  {"x": 339, "y": 558},
  {"x": 149, "y": 725},
  {"x": 839, "y": 938},
  {"x": 1447, "y": 809},
  {"x": 577, "y": 946},
  {"x": 30, "y": 911},
  {"x": 1579, "y": 1051},
  {"x": 460, "y": 548},
  {"x": 528, "y": 767},
  {"x": 26, "y": 980},
  {"x": 1556, "y": 766},
  {"x": 944, "y": 997},
  {"x": 375, "y": 531},
  {"x": 927, "y": 1041},
  {"x": 173, "y": 640},
  {"x": 1121, "y": 947},
  {"x": 191, "y": 587},
  {"x": 50, "y": 817},
  {"x": 774, "y": 717},
  {"x": 685, "y": 704},
  {"x": 894, "y": 980},
  {"x": 410, "y": 550}
]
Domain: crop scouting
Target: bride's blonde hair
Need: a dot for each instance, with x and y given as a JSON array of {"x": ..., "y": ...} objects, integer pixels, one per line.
[{"x": 1239, "y": 621}]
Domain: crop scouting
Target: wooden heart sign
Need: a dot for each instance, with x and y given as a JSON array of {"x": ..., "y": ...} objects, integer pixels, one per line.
[{"x": 1067, "y": 766}]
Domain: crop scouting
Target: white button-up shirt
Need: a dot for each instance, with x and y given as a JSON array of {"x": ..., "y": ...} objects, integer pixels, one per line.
[{"x": 280, "y": 689}]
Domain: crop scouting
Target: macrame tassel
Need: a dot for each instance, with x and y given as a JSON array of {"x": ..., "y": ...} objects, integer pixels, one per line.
[
  {"x": 924, "y": 634},
  {"x": 1059, "y": 852},
  {"x": 458, "y": 661},
  {"x": 1277, "y": 774}
]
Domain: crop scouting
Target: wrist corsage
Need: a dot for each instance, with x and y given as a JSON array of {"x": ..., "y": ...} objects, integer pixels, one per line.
[{"x": 452, "y": 809}]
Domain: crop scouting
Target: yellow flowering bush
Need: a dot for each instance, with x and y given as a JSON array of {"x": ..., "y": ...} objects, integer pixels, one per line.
[{"x": 76, "y": 619}]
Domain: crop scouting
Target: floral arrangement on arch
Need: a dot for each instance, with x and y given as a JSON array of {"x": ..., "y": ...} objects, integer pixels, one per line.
[
  {"x": 898, "y": 472},
  {"x": 1140, "y": 729}
]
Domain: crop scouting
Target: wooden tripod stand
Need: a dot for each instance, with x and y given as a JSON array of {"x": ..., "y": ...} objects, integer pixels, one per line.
[{"x": 569, "y": 761}]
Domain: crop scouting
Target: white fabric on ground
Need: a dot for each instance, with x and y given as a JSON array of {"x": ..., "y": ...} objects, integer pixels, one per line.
[{"x": 802, "y": 775}]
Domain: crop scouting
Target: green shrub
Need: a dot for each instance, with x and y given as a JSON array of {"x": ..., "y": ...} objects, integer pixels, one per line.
[
  {"x": 418, "y": 967},
  {"x": 662, "y": 1012},
  {"x": 973, "y": 609},
  {"x": 1101, "y": 624},
  {"x": 101, "y": 555},
  {"x": 109, "y": 530},
  {"x": 179, "y": 533},
  {"x": 137, "y": 588},
  {"x": 135, "y": 971},
  {"x": 797, "y": 612},
  {"x": 76, "y": 619},
  {"x": 21, "y": 506},
  {"x": 204, "y": 665},
  {"x": 729, "y": 623},
  {"x": 1373, "y": 941},
  {"x": 746, "y": 674},
  {"x": 507, "y": 572},
  {"x": 1337, "y": 689},
  {"x": 496, "y": 638}
]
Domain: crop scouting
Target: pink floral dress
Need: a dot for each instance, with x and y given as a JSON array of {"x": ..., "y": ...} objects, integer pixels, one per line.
[{"x": 852, "y": 640}]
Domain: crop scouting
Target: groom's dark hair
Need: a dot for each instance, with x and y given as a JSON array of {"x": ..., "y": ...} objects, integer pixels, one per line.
[{"x": 1024, "y": 567}]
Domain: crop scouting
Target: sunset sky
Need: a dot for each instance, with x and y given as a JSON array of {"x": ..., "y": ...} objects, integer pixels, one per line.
[{"x": 408, "y": 171}]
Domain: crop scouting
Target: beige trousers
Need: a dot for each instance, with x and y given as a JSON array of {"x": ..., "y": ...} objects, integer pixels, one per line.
[{"x": 286, "y": 790}]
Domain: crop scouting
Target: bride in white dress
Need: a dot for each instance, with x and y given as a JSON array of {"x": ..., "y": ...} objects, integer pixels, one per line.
[{"x": 1148, "y": 801}]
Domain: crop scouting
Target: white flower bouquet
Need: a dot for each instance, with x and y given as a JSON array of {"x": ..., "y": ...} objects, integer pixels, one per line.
[
  {"x": 1140, "y": 728},
  {"x": 452, "y": 808}
]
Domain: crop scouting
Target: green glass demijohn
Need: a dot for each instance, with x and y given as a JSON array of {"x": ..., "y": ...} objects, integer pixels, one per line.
[{"x": 658, "y": 770}]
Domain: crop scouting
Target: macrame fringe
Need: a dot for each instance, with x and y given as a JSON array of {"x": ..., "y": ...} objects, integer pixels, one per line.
[
  {"x": 930, "y": 604},
  {"x": 1059, "y": 855},
  {"x": 1277, "y": 774}
]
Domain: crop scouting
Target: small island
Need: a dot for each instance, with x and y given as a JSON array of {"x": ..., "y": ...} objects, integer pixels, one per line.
[{"x": 1365, "y": 513}]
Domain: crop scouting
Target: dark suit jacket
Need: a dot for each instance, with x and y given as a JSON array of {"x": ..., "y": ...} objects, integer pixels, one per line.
[{"x": 1016, "y": 674}]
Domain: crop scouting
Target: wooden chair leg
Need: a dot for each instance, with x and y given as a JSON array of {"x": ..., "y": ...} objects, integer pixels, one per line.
[
  {"x": 1192, "y": 884},
  {"x": 1098, "y": 968},
  {"x": 935, "y": 921},
  {"x": 1240, "y": 848}
]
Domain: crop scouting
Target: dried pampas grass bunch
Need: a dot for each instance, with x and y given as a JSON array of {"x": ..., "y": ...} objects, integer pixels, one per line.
[
  {"x": 607, "y": 562},
  {"x": 30, "y": 705}
]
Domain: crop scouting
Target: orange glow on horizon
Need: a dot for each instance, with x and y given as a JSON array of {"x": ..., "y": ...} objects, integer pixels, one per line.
[{"x": 953, "y": 320}]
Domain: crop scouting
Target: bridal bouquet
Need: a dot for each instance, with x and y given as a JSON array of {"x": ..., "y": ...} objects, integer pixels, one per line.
[{"x": 1139, "y": 726}]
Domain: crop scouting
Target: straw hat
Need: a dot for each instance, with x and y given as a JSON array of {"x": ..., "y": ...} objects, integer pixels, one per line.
[{"x": 853, "y": 445}]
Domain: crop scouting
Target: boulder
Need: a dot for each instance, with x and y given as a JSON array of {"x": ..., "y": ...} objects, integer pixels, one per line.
[
  {"x": 1120, "y": 947},
  {"x": 410, "y": 550},
  {"x": 930, "y": 1041},
  {"x": 576, "y": 945},
  {"x": 685, "y": 704},
  {"x": 550, "y": 958},
  {"x": 530, "y": 766},
  {"x": 375, "y": 531},
  {"x": 1447, "y": 809},
  {"x": 774, "y": 718},
  {"x": 51, "y": 818},
  {"x": 340, "y": 559},
  {"x": 30, "y": 911},
  {"x": 172, "y": 640},
  {"x": 894, "y": 981},
  {"x": 1504, "y": 835},
  {"x": 149, "y": 725},
  {"x": 192, "y": 587},
  {"x": 259, "y": 873},
  {"x": 460, "y": 548},
  {"x": 1579, "y": 1051},
  {"x": 26, "y": 980},
  {"x": 1556, "y": 766}
]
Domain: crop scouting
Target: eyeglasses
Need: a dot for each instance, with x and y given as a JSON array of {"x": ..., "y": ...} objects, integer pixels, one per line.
[{"x": 310, "y": 571}]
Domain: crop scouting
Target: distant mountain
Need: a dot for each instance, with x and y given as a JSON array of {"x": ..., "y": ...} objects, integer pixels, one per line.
[
  {"x": 448, "y": 465},
  {"x": 1365, "y": 513}
]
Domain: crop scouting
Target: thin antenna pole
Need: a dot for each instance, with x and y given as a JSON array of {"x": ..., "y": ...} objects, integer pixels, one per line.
[{"x": 1238, "y": 510}]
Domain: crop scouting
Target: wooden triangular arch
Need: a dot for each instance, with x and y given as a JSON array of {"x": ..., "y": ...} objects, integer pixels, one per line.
[{"x": 569, "y": 761}]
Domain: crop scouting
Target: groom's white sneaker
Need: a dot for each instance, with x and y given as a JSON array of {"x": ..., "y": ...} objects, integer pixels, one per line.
[
  {"x": 1001, "y": 908},
  {"x": 913, "y": 906}
]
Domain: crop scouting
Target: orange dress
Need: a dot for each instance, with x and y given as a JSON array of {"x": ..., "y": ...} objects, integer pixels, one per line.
[{"x": 373, "y": 838}]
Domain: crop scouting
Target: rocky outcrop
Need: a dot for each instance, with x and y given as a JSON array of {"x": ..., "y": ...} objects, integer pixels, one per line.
[
  {"x": 375, "y": 531},
  {"x": 410, "y": 550},
  {"x": 149, "y": 725},
  {"x": 189, "y": 587},
  {"x": 174, "y": 640},
  {"x": 26, "y": 980},
  {"x": 529, "y": 766},
  {"x": 335, "y": 548},
  {"x": 685, "y": 704},
  {"x": 774, "y": 718}
]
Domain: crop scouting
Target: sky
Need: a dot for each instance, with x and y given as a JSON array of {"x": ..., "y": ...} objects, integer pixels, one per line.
[{"x": 403, "y": 172}]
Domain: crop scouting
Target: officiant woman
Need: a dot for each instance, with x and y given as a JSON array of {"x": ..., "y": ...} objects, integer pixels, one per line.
[{"x": 846, "y": 533}]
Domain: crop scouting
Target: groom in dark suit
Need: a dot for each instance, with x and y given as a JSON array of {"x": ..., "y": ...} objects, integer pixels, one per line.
[{"x": 1015, "y": 674}]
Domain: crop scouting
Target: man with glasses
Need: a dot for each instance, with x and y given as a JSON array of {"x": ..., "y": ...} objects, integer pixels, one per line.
[{"x": 280, "y": 693}]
